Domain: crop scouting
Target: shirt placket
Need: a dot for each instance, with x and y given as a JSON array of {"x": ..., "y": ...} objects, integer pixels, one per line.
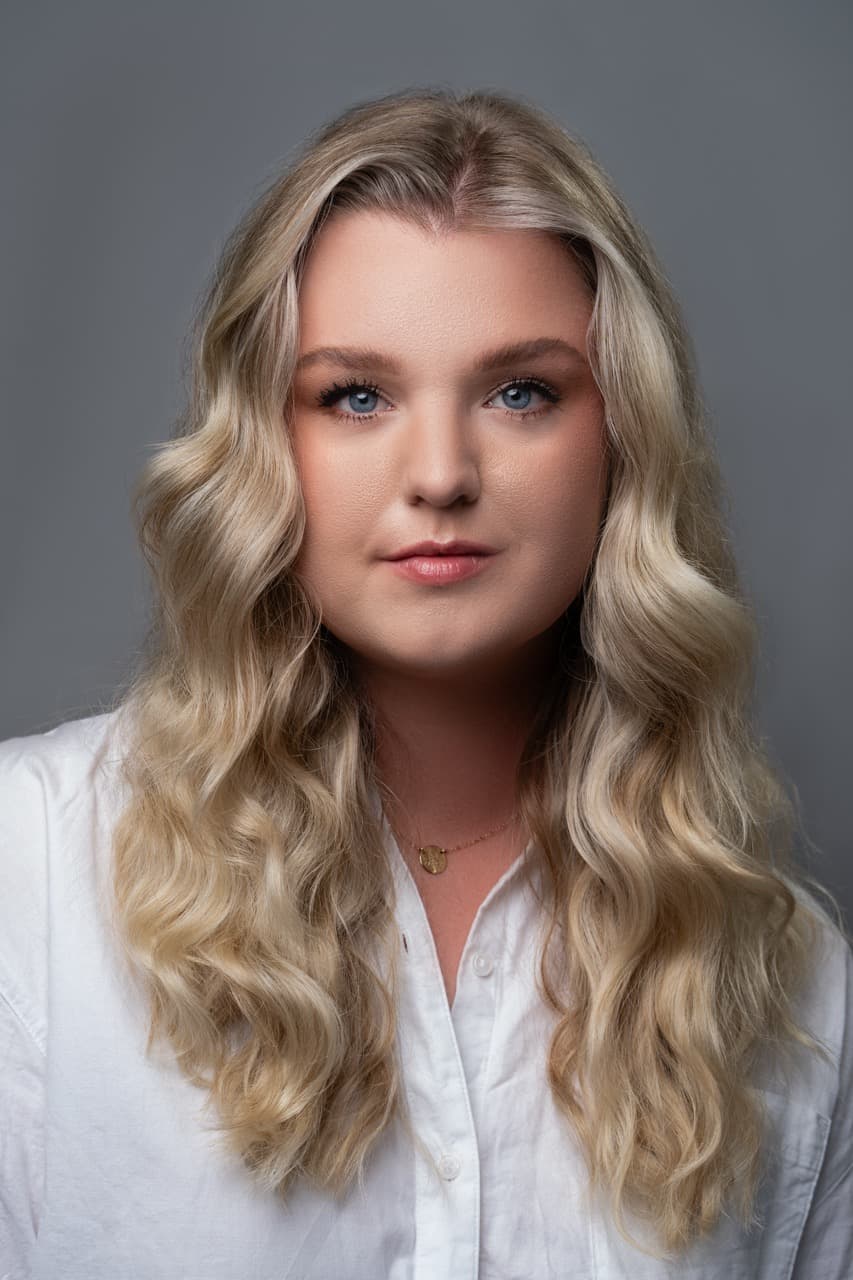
[{"x": 447, "y": 1200}]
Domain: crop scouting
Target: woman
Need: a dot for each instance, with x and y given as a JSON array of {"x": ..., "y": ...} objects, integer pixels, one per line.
[{"x": 432, "y": 845}]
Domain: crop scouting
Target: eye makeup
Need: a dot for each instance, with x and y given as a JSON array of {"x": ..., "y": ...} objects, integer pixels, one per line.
[{"x": 329, "y": 396}]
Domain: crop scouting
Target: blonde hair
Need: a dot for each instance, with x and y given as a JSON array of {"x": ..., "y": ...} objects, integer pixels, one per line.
[{"x": 250, "y": 880}]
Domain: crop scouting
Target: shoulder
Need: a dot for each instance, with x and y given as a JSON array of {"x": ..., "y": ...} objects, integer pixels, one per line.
[
  {"x": 54, "y": 788},
  {"x": 40, "y": 772},
  {"x": 820, "y": 1134},
  {"x": 53, "y": 776},
  {"x": 823, "y": 1007},
  {"x": 827, "y": 995},
  {"x": 54, "y": 756}
]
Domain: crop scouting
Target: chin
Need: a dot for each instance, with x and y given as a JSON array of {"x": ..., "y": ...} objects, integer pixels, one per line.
[
  {"x": 436, "y": 659},
  {"x": 430, "y": 662}
]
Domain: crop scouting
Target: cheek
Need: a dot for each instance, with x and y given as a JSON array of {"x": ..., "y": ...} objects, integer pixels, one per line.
[
  {"x": 342, "y": 484},
  {"x": 328, "y": 494},
  {"x": 564, "y": 508},
  {"x": 340, "y": 511}
]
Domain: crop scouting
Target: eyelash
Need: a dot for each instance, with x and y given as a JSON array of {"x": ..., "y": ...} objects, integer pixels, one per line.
[{"x": 327, "y": 397}]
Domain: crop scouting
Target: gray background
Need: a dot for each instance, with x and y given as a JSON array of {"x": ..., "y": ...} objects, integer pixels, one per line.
[{"x": 133, "y": 138}]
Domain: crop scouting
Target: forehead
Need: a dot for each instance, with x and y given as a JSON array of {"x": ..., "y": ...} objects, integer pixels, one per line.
[{"x": 372, "y": 279}]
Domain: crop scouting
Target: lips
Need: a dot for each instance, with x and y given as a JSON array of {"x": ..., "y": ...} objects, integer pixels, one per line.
[{"x": 431, "y": 548}]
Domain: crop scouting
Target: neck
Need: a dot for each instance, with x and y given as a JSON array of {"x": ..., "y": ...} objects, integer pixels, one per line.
[{"x": 448, "y": 748}]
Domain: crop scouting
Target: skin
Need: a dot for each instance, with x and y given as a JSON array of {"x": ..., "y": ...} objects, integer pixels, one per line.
[{"x": 455, "y": 671}]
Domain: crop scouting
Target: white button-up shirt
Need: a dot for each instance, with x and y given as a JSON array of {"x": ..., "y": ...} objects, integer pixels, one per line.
[{"x": 110, "y": 1170}]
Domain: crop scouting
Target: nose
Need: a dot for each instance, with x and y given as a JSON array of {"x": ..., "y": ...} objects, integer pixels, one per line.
[{"x": 441, "y": 462}]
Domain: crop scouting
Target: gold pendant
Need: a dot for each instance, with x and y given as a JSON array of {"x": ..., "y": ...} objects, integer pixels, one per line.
[{"x": 432, "y": 858}]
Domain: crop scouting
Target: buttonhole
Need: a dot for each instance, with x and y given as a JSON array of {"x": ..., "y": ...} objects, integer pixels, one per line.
[{"x": 405, "y": 943}]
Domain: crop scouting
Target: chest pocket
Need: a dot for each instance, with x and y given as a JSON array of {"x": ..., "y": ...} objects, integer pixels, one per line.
[{"x": 795, "y": 1143}]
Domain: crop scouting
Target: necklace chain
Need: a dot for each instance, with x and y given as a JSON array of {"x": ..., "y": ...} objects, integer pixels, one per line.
[{"x": 433, "y": 858}]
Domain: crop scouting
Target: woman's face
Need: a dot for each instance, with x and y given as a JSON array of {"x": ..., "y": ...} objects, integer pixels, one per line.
[{"x": 443, "y": 434}]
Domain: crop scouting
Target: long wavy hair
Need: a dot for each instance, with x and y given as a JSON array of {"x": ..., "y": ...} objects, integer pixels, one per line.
[{"x": 250, "y": 881}]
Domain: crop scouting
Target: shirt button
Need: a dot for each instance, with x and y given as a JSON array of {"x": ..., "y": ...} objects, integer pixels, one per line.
[
  {"x": 483, "y": 965},
  {"x": 448, "y": 1167}
]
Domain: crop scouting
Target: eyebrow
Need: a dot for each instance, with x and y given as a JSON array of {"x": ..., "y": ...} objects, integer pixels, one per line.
[{"x": 356, "y": 358}]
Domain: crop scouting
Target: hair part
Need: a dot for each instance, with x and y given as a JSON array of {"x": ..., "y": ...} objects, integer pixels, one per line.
[{"x": 251, "y": 885}]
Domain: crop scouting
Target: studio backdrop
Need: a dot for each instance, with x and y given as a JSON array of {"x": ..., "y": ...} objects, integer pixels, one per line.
[{"x": 135, "y": 135}]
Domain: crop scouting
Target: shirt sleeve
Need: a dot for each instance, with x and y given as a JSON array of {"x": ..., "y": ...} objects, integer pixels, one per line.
[
  {"x": 23, "y": 1029},
  {"x": 826, "y": 1243},
  {"x": 21, "y": 1142}
]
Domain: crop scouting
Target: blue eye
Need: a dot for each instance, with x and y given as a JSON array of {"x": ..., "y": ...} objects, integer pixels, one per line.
[
  {"x": 548, "y": 393},
  {"x": 357, "y": 398},
  {"x": 355, "y": 391},
  {"x": 361, "y": 394},
  {"x": 526, "y": 391}
]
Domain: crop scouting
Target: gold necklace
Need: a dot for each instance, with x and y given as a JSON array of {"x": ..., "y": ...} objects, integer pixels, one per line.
[{"x": 433, "y": 858}]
